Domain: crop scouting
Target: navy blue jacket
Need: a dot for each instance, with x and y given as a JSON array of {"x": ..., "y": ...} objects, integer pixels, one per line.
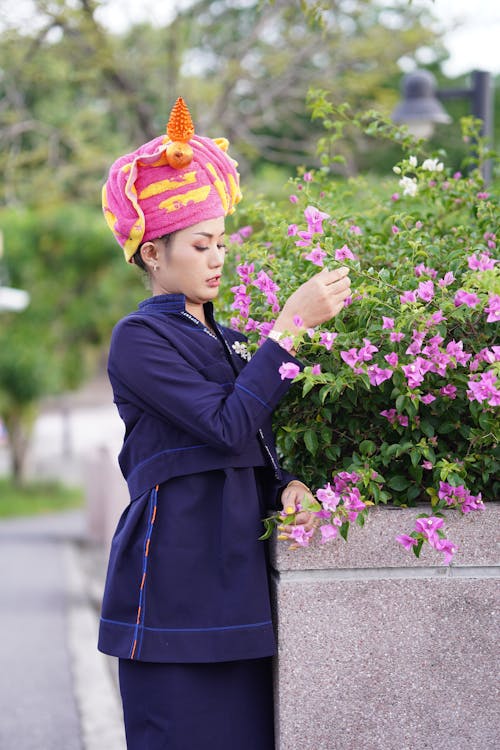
[{"x": 187, "y": 576}]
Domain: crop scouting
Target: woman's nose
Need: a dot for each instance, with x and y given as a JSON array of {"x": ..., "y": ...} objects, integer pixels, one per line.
[{"x": 216, "y": 257}]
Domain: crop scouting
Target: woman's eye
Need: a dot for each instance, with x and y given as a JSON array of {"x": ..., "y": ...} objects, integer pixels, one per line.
[
  {"x": 198, "y": 247},
  {"x": 221, "y": 247}
]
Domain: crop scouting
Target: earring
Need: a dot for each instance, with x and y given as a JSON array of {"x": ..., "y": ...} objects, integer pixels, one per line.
[{"x": 156, "y": 267}]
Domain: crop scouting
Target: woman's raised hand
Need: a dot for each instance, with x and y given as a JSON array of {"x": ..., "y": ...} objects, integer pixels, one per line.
[{"x": 317, "y": 300}]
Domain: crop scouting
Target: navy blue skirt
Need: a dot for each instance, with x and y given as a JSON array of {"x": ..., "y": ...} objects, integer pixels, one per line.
[{"x": 218, "y": 706}]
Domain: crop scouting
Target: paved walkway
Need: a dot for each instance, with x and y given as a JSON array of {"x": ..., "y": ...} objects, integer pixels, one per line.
[{"x": 56, "y": 691}]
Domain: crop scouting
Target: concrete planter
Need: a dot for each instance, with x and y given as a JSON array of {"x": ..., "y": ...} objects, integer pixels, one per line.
[{"x": 380, "y": 650}]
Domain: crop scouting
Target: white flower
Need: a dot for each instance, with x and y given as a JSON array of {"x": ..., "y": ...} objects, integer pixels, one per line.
[
  {"x": 409, "y": 185},
  {"x": 433, "y": 165},
  {"x": 397, "y": 170},
  {"x": 412, "y": 161},
  {"x": 241, "y": 348}
]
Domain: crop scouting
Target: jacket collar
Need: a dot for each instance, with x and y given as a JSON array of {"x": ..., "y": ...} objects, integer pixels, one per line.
[{"x": 169, "y": 304}]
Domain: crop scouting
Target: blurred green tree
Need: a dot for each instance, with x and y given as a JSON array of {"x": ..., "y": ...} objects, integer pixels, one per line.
[
  {"x": 73, "y": 94},
  {"x": 68, "y": 261}
]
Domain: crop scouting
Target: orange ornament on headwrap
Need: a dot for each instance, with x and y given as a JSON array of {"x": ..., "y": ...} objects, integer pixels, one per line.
[{"x": 169, "y": 183}]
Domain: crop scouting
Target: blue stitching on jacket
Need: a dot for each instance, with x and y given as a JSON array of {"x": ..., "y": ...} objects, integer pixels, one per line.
[
  {"x": 253, "y": 394},
  {"x": 189, "y": 630}
]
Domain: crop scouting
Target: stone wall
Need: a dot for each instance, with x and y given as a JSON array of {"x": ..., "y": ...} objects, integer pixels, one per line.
[{"x": 379, "y": 650}]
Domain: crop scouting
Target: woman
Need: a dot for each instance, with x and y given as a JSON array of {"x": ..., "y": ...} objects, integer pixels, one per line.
[{"x": 186, "y": 605}]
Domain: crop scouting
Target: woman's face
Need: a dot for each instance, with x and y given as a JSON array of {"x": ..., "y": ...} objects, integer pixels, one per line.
[{"x": 191, "y": 262}]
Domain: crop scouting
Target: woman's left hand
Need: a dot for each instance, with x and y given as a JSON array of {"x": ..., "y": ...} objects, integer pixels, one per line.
[{"x": 292, "y": 498}]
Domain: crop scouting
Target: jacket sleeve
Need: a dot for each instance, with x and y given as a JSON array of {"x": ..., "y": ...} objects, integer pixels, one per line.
[{"x": 154, "y": 376}]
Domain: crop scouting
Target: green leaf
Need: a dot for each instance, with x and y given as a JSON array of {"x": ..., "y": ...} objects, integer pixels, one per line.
[
  {"x": 427, "y": 428},
  {"x": 367, "y": 447},
  {"x": 415, "y": 456},
  {"x": 399, "y": 482},
  {"x": 311, "y": 441},
  {"x": 344, "y": 530}
]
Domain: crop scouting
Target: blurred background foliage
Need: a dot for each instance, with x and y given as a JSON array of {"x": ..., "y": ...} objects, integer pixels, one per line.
[{"x": 75, "y": 95}]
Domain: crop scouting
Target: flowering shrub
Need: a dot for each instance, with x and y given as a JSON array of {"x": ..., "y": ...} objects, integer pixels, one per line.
[{"x": 397, "y": 400}]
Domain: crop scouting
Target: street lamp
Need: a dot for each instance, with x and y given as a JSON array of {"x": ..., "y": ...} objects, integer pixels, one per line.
[
  {"x": 11, "y": 300},
  {"x": 421, "y": 107}
]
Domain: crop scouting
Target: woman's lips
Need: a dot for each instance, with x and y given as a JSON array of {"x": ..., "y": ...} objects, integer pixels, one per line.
[{"x": 214, "y": 281}]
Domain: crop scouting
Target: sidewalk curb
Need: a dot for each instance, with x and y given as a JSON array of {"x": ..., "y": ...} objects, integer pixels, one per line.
[{"x": 95, "y": 692}]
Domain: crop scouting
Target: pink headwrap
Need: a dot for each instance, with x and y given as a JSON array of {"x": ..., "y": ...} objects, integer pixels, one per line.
[{"x": 169, "y": 183}]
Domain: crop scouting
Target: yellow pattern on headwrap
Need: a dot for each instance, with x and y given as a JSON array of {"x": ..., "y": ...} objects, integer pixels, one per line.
[
  {"x": 162, "y": 185},
  {"x": 198, "y": 195},
  {"x": 220, "y": 186}
]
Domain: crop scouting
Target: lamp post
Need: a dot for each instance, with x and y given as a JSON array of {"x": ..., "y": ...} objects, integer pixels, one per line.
[
  {"x": 11, "y": 300},
  {"x": 421, "y": 107}
]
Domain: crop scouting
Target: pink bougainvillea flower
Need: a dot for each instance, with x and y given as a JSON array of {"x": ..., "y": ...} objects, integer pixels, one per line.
[
  {"x": 407, "y": 297},
  {"x": 395, "y": 197},
  {"x": 392, "y": 359},
  {"x": 403, "y": 420},
  {"x": 389, "y": 414},
  {"x": 367, "y": 351},
  {"x": 493, "y": 308},
  {"x": 352, "y": 500},
  {"x": 316, "y": 369},
  {"x": 315, "y": 218},
  {"x": 425, "y": 291},
  {"x": 427, "y": 399},
  {"x": 456, "y": 349},
  {"x": 287, "y": 343},
  {"x": 395, "y": 229},
  {"x": 482, "y": 196},
  {"x": 447, "y": 547},
  {"x": 395, "y": 336},
  {"x": 292, "y": 230},
  {"x": 355, "y": 229},
  {"x": 344, "y": 253},
  {"x": 328, "y": 532},
  {"x": 293, "y": 199},
  {"x": 246, "y": 231},
  {"x": 427, "y": 465},
  {"x": 416, "y": 371},
  {"x": 484, "y": 389},
  {"x": 450, "y": 391},
  {"x": 326, "y": 339},
  {"x": 266, "y": 327},
  {"x": 423, "y": 270},
  {"x": 299, "y": 535},
  {"x": 316, "y": 256},
  {"x": 265, "y": 283},
  {"x": 328, "y": 497},
  {"x": 466, "y": 298},
  {"x": 305, "y": 238},
  {"x": 350, "y": 357},
  {"x": 417, "y": 341},
  {"x": 289, "y": 370},
  {"x": 483, "y": 263},
  {"x": 307, "y": 177},
  {"x": 407, "y": 541},
  {"x": 387, "y": 323},
  {"x": 428, "y": 526},
  {"x": 251, "y": 325},
  {"x": 245, "y": 271},
  {"x": 436, "y": 318},
  {"x": 377, "y": 375},
  {"x": 447, "y": 279}
]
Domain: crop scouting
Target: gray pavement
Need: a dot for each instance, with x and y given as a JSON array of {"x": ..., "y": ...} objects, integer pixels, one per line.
[{"x": 56, "y": 691}]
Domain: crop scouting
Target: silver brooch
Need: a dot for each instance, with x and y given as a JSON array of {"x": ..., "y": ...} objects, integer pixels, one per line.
[{"x": 241, "y": 348}]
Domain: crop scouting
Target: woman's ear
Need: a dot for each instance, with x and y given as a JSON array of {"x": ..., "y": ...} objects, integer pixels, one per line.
[{"x": 150, "y": 254}]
